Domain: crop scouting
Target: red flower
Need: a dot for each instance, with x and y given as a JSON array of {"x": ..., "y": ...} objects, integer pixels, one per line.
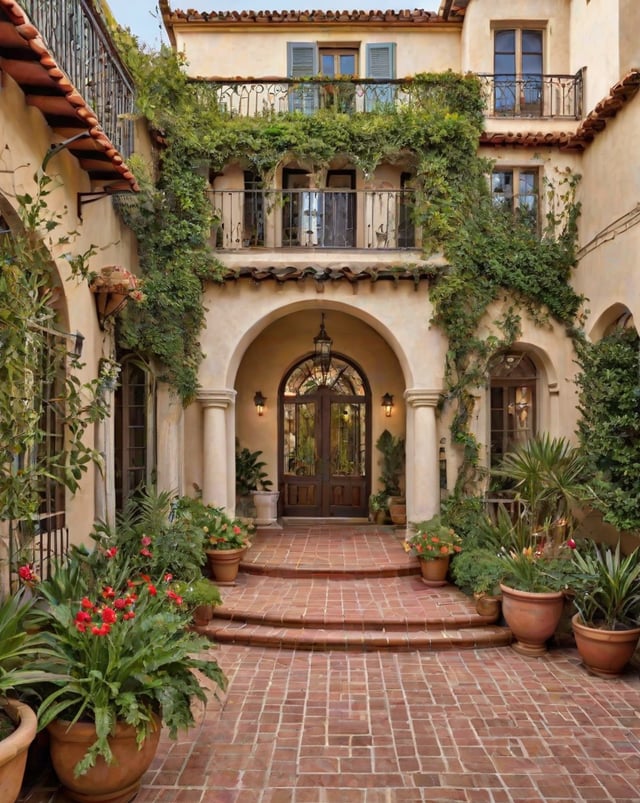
[
  {"x": 571, "y": 543},
  {"x": 86, "y": 603},
  {"x": 153, "y": 591},
  {"x": 81, "y": 627},
  {"x": 128, "y": 615},
  {"x": 109, "y": 616},
  {"x": 145, "y": 540},
  {"x": 145, "y": 553},
  {"x": 168, "y": 577},
  {"x": 26, "y": 573},
  {"x": 111, "y": 552},
  {"x": 108, "y": 592},
  {"x": 83, "y": 616},
  {"x": 120, "y": 604},
  {"x": 101, "y": 631}
]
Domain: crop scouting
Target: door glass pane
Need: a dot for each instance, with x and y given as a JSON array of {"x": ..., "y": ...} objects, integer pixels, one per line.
[
  {"x": 299, "y": 446},
  {"x": 347, "y": 439}
]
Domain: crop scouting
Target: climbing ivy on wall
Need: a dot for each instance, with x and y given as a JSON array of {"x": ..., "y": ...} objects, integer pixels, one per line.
[
  {"x": 609, "y": 428},
  {"x": 491, "y": 256}
]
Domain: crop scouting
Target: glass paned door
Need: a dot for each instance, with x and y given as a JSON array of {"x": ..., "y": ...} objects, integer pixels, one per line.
[{"x": 325, "y": 442}]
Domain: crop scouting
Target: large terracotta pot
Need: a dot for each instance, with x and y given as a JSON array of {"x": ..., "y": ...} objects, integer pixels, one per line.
[
  {"x": 13, "y": 750},
  {"x": 604, "y": 652},
  {"x": 224, "y": 564},
  {"x": 434, "y": 572},
  {"x": 202, "y": 615},
  {"x": 103, "y": 783},
  {"x": 532, "y": 618}
]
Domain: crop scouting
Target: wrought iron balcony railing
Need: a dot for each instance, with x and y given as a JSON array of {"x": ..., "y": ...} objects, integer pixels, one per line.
[
  {"x": 505, "y": 95},
  {"x": 77, "y": 36},
  {"x": 314, "y": 218},
  {"x": 533, "y": 95}
]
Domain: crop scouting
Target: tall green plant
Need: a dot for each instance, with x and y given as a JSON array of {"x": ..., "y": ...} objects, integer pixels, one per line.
[{"x": 609, "y": 428}]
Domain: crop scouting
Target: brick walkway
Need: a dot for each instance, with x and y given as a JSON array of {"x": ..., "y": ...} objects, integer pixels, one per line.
[{"x": 475, "y": 725}]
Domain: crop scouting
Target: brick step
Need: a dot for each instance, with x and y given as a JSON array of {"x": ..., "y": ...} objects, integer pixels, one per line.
[{"x": 365, "y": 640}]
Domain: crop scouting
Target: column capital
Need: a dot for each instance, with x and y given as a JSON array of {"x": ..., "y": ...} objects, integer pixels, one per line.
[
  {"x": 423, "y": 397},
  {"x": 216, "y": 398}
]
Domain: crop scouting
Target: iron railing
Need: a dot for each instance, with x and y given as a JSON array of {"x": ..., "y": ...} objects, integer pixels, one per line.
[
  {"x": 533, "y": 95},
  {"x": 505, "y": 95},
  {"x": 42, "y": 549},
  {"x": 77, "y": 36},
  {"x": 314, "y": 218}
]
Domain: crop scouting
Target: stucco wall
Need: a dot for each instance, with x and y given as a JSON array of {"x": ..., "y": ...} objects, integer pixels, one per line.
[{"x": 262, "y": 50}]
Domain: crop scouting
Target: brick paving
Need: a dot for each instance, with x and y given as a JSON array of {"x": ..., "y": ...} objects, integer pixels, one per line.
[{"x": 473, "y": 725}]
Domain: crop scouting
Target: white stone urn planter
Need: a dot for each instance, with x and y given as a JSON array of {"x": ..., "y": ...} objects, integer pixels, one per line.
[{"x": 266, "y": 504}]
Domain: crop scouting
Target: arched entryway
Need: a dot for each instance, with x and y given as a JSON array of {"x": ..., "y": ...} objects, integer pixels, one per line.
[{"x": 324, "y": 428}]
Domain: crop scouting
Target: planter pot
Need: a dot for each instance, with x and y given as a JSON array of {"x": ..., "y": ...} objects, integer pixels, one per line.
[
  {"x": 434, "y": 572},
  {"x": 488, "y": 606},
  {"x": 103, "y": 783},
  {"x": 398, "y": 513},
  {"x": 224, "y": 564},
  {"x": 531, "y": 617},
  {"x": 266, "y": 504},
  {"x": 13, "y": 750},
  {"x": 202, "y": 615},
  {"x": 604, "y": 652}
]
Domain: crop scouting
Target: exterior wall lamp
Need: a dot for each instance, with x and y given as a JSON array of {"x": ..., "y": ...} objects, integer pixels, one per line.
[
  {"x": 387, "y": 403},
  {"x": 259, "y": 400}
]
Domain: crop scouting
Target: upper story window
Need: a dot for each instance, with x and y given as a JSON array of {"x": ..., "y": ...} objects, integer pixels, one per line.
[
  {"x": 517, "y": 66},
  {"x": 517, "y": 190},
  {"x": 308, "y": 59}
]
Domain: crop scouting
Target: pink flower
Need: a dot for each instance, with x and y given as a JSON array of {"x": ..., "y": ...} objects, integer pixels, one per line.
[
  {"x": 145, "y": 553},
  {"x": 145, "y": 540},
  {"x": 571, "y": 543}
]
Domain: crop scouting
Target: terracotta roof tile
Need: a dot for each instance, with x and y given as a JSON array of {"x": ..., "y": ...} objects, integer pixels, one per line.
[
  {"x": 301, "y": 17},
  {"x": 320, "y": 273},
  {"x": 25, "y": 57}
]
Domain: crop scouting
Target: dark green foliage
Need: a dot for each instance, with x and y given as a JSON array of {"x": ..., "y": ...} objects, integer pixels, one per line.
[
  {"x": 391, "y": 462},
  {"x": 609, "y": 429},
  {"x": 249, "y": 472}
]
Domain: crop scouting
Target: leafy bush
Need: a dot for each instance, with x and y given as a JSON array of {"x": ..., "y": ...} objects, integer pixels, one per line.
[{"x": 609, "y": 429}]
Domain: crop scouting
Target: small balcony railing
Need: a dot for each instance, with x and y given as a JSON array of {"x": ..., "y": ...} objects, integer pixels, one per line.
[
  {"x": 533, "y": 95},
  {"x": 314, "y": 218},
  {"x": 78, "y": 38},
  {"x": 505, "y": 95}
]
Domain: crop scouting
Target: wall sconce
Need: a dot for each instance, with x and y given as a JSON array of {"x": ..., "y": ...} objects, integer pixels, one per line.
[
  {"x": 78, "y": 343},
  {"x": 387, "y": 403},
  {"x": 259, "y": 400}
]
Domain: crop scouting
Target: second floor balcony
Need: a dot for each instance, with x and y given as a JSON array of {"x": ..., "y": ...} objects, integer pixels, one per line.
[
  {"x": 314, "y": 218},
  {"x": 545, "y": 96}
]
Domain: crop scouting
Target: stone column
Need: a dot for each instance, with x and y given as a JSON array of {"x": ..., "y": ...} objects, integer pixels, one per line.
[
  {"x": 170, "y": 441},
  {"x": 218, "y": 447},
  {"x": 422, "y": 471}
]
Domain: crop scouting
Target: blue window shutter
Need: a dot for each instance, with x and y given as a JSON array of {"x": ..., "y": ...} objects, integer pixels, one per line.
[
  {"x": 302, "y": 62},
  {"x": 381, "y": 63}
]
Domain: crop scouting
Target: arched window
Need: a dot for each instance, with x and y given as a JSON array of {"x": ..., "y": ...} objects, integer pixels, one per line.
[{"x": 513, "y": 402}]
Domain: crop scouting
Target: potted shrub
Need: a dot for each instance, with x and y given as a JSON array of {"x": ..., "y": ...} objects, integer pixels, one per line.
[
  {"x": 224, "y": 538},
  {"x": 478, "y": 571},
  {"x": 18, "y": 649},
  {"x": 253, "y": 481},
  {"x": 378, "y": 507},
  {"x": 200, "y": 597},
  {"x": 129, "y": 661},
  {"x": 607, "y": 600},
  {"x": 433, "y": 543},
  {"x": 392, "y": 462}
]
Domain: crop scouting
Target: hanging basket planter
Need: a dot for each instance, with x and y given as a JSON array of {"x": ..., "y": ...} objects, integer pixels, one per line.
[{"x": 112, "y": 288}]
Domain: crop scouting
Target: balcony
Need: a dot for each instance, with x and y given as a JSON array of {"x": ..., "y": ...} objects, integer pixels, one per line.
[
  {"x": 78, "y": 39},
  {"x": 549, "y": 96},
  {"x": 314, "y": 218},
  {"x": 552, "y": 96}
]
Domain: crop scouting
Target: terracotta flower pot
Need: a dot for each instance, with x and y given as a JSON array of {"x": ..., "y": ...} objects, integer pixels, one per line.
[
  {"x": 604, "y": 652},
  {"x": 202, "y": 615},
  {"x": 224, "y": 564},
  {"x": 489, "y": 606},
  {"x": 13, "y": 750},
  {"x": 434, "y": 572},
  {"x": 532, "y": 618},
  {"x": 103, "y": 783}
]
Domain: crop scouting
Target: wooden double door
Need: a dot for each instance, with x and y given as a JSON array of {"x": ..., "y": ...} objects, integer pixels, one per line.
[{"x": 325, "y": 441}]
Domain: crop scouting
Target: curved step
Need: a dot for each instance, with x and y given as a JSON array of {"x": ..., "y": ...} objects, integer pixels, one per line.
[{"x": 318, "y": 639}]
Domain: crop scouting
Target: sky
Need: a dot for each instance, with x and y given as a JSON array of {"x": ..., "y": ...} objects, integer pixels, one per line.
[{"x": 143, "y": 17}]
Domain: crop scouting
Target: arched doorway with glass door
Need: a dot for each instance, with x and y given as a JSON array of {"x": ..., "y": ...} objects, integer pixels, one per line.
[{"x": 325, "y": 439}]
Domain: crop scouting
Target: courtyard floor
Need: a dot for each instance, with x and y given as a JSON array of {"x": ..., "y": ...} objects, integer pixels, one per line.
[{"x": 345, "y": 726}]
